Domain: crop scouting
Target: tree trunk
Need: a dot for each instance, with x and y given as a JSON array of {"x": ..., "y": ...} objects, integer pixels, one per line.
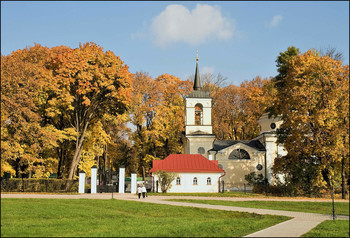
[
  {"x": 60, "y": 157},
  {"x": 77, "y": 153},
  {"x": 343, "y": 186}
]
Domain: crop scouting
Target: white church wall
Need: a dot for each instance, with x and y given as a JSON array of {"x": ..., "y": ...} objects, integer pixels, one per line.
[
  {"x": 266, "y": 123},
  {"x": 195, "y": 142},
  {"x": 189, "y": 116},
  {"x": 187, "y": 185}
]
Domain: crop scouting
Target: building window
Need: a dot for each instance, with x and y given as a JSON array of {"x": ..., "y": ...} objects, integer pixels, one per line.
[
  {"x": 201, "y": 150},
  {"x": 195, "y": 181},
  {"x": 178, "y": 181},
  {"x": 198, "y": 114},
  {"x": 272, "y": 126},
  {"x": 239, "y": 154},
  {"x": 208, "y": 181}
]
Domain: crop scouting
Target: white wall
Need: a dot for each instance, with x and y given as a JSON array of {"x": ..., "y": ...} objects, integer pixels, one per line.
[
  {"x": 187, "y": 186},
  {"x": 189, "y": 115}
]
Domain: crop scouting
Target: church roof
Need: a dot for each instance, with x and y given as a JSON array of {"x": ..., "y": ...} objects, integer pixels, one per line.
[
  {"x": 186, "y": 163},
  {"x": 222, "y": 144},
  {"x": 198, "y": 94}
]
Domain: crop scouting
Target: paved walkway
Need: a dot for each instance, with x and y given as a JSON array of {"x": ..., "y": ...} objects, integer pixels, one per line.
[{"x": 300, "y": 223}]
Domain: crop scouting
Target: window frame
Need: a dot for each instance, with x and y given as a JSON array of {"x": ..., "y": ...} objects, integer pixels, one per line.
[
  {"x": 209, "y": 181},
  {"x": 195, "y": 181},
  {"x": 178, "y": 181}
]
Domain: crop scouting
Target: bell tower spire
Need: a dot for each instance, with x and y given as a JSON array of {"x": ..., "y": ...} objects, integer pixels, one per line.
[
  {"x": 198, "y": 137},
  {"x": 197, "y": 82}
]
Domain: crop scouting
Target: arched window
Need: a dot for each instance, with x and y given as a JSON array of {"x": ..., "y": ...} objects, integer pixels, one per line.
[
  {"x": 178, "y": 181},
  {"x": 208, "y": 181},
  {"x": 239, "y": 154},
  {"x": 198, "y": 114},
  {"x": 201, "y": 150},
  {"x": 195, "y": 181}
]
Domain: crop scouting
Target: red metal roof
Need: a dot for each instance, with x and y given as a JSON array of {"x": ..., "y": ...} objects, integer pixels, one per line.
[{"x": 186, "y": 163}]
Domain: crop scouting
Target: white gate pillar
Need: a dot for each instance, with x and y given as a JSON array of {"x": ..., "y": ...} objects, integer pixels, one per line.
[
  {"x": 94, "y": 179},
  {"x": 121, "y": 179},
  {"x": 133, "y": 183},
  {"x": 82, "y": 182}
]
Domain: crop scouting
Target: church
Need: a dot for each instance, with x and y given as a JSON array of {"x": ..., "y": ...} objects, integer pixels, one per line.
[{"x": 233, "y": 159}]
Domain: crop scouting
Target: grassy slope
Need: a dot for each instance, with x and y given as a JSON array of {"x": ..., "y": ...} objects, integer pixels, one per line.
[
  {"x": 87, "y": 217},
  {"x": 341, "y": 208}
]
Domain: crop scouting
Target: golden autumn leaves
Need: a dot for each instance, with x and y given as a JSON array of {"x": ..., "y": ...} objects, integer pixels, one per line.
[
  {"x": 63, "y": 109},
  {"x": 314, "y": 104},
  {"x": 64, "y": 89}
]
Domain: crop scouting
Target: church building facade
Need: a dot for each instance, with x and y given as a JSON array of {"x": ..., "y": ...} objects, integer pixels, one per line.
[
  {"x": 236, "y": 158},
  {"x": 231, "y": 160}
]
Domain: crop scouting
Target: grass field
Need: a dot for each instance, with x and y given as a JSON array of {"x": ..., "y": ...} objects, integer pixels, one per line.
[
  {"x": 341, "y": 208},
  {"x": 338, "y": 228},
  {"x": 116, "y": 218}
]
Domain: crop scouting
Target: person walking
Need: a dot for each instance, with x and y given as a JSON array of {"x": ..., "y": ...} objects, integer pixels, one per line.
[
  {"x": 144, "y": 191},
  {"x": 139, "y": 191}
]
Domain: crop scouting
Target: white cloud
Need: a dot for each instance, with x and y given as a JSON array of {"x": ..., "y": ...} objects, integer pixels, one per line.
[
  {"x": 275, "y": 21},
  {"x": 178, "y": 24}
]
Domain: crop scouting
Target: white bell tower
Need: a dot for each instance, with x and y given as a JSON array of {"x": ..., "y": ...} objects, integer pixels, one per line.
[{"x": 198, "y": 128}]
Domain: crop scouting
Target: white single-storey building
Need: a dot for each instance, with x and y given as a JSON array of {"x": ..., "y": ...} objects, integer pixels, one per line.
[{"x": 195, "y": 173}]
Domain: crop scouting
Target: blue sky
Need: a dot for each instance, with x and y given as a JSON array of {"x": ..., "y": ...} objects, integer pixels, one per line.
[{"x": 240, "y": 40}]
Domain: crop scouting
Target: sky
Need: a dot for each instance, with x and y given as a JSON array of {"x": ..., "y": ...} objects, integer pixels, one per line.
[{"x": 238, "y": 39}]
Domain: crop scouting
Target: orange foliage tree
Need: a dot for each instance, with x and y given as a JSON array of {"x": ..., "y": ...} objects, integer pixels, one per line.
[
  {"x": 314, "y": 103},
  {"x": 90, "y": 83}
]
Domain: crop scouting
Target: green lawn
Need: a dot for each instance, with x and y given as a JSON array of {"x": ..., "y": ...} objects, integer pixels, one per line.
[
  {"x": 116, "y": 218},
  {"x": 341, "y": 208},
  {"x": 338, "y": 228}
]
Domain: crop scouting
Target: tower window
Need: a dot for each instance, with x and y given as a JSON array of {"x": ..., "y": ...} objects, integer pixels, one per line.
[{"x": 198, "y": 114}]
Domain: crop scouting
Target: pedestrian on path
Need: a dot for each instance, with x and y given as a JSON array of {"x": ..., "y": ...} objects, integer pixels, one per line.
[
  {"x": 144, "y": 191},
  {"x": 139, "y": 191}
]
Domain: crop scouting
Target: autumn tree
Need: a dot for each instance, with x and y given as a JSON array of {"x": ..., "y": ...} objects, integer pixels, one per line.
[
  {"x": 236, "y": 110},
  {"x": 25, "y": 140},
  {"x": 90, "y": 83},
  {"x": 256, "y": 96},
  {"x": 227, "y": 113},
  {"x": 158, "y": 116},
  {"x": 282, "y": 63},
  {"x": 314, "y": 104}
]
